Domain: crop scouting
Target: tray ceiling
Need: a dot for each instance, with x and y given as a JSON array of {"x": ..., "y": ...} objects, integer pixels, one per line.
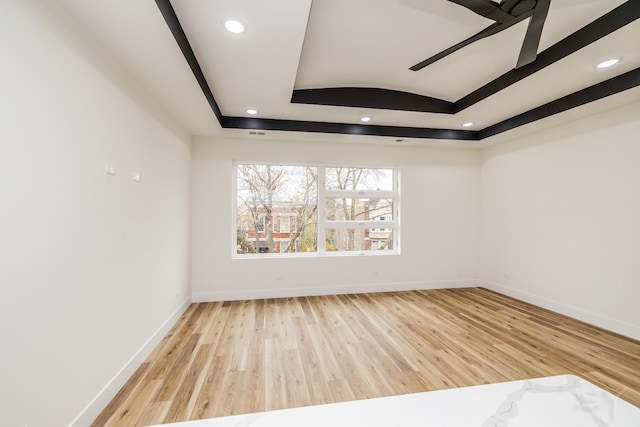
[{"x": 320, "y": 65}]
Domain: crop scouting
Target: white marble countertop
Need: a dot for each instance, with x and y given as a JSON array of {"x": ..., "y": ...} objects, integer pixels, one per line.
[{"x": 560, "y": 401}]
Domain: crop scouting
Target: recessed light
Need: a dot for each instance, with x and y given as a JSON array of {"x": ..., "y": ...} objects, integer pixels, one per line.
[
  {"x": 365, "y": 119},
  {"x": 467, "y": 124},
  {"x": 251, "y": 111},
  {"x": 608, "y": 63},
  {"x": 233, "y": 26}
]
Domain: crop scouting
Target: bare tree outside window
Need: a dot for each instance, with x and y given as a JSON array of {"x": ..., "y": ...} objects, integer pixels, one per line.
[
  {"x": 267, "y": 191},
  {"x": 277, "y": 209},
  {"x": 349, "y": 180}
]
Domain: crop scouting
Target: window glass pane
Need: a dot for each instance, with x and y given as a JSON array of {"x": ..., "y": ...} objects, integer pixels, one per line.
[
  {"x": 285, "y": 224},
  {"x": 352, "y": 239},
  {"x": 355, "y": 209},
  {"x": 277, "y": 205},
  {"x": 276, "y": 208},
  {"x": 346, "y": 178}
]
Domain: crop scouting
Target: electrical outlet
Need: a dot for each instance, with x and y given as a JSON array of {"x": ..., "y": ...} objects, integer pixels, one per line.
[
  {"x": 506, "y": 276},
  {"x": 279, "y": 277},
  {"x": 109, "y": 169}
]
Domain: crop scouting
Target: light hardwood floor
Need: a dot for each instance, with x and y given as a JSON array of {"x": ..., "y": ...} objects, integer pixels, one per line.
[{"x": 248, "y": 356}]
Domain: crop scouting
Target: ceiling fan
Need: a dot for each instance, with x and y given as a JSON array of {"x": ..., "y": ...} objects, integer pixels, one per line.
[{"x": 505, "y": 14}]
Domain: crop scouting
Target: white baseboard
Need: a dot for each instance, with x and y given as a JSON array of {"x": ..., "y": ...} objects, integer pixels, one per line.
[
  {"x": 103, "y": 398},
  {"x": 96, "y": 406},
  {"x": 329, "y": 290},
  {"x": 613, "y": 325}
]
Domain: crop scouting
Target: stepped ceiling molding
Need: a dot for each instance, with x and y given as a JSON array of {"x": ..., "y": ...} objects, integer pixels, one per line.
[{"x": 418, "y": 68}]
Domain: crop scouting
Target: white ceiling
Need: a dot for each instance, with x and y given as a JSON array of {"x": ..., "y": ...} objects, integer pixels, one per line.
[{"x": 305, "y": 44}]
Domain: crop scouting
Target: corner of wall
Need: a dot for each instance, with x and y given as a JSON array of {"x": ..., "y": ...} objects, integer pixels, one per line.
[
  {"x": 613, "y": 325},
  {"x": 99, "y": 402}
]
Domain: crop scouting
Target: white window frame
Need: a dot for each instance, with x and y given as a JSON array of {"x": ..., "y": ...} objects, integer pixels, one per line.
[
  {"x": 263, "y": 222},
  {"x": 324, "y": 224}
]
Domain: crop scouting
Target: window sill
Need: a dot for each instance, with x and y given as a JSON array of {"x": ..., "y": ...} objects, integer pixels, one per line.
[{"x": 338, "y": 254}]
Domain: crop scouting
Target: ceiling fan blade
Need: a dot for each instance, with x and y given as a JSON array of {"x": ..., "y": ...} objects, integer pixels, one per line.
[
  {"x": 507, "y": 5},
  {"x": 485, "y": 8},
  {"x": 489, "y": 31},
  {"x": 529, "y": 50},
  {"x": 492, "y": 29}
]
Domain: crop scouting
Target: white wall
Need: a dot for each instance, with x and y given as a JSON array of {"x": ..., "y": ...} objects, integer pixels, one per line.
[
  {"x": 439, "y": 217},
  {"x": 93, "y": 268},
  {"x": 561, "y": 218},
  {"x": 91, "y": 265}
]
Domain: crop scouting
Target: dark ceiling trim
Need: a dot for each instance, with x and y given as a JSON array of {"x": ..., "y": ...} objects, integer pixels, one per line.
[
  {"x": 367, "y": 97},
  {"x": 623, "y": 15},
  {"x": 598, "y": 91},
  {"x": 617, "y": 18},
  {"x": 617, "y": 84},
  {"x": 347, "y": 129},
  {"x": 170, "y": 17},
  {"x": 386, "y": 99}
]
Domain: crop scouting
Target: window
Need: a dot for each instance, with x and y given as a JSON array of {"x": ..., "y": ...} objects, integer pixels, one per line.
[
  {"x": 283, "y": 209},
  {"x": 268, "y": 199},
  {"x": 285, "y": 224},
  {"x": 258, "y": 223}
]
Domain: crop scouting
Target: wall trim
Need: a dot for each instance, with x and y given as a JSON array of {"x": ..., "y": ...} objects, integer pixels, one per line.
[
  {"x": 330, "y": 290},
  {"x": 604, "y": 322},
  {"x": 95, "y": 407}
]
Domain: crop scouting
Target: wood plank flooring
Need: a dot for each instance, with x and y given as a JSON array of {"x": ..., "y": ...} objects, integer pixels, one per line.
[{"x": 228, "y": 358}]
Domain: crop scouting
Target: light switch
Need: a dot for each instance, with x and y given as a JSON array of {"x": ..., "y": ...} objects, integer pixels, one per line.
[
  {"x": 110, "y": 169},
  {"x": 136, "y": 176}
]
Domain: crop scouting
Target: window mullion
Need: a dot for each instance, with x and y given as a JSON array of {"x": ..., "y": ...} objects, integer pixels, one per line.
[
  {"x": 360, "y": 194},
  {"x": 321, "y": 245},
  {"x": 360, "y": 224}
]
